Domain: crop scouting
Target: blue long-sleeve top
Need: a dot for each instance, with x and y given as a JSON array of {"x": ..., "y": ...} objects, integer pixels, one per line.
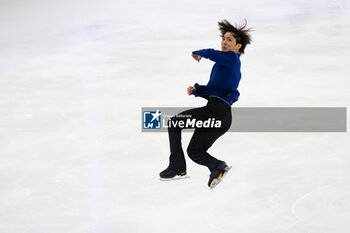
[{"x": 224, "y": 78}]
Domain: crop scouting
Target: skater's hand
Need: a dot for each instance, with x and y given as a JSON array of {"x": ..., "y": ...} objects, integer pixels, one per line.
[
  {"x": 196, "y": 57},
  {"x": 190, "y": 90}
]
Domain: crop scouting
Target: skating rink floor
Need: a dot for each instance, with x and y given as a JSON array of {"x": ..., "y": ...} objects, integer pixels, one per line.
[{"x": 74, "y": 76}]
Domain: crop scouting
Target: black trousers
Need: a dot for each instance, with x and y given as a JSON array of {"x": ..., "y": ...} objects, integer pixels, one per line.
[{"x": 203, "y": 138}]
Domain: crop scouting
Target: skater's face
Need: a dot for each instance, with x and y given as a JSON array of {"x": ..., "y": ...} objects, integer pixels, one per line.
[{"x": 229, "y": 43}]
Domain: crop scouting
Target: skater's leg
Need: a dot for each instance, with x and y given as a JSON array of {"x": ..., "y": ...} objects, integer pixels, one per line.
[
  {"x": 203, "y": 139},
  {"x": 177, "y": 160}
]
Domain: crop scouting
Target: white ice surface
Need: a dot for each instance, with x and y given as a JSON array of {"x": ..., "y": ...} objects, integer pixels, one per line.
[{"x": 75, "y": 74}]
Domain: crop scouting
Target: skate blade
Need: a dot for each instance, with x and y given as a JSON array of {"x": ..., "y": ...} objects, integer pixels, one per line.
[
  {"x": 216, "y": 181},
  {"x": 175, "y": 178}
]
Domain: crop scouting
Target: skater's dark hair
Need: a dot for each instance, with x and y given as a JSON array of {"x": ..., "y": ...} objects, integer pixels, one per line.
[{"x": 240, "y": 33}]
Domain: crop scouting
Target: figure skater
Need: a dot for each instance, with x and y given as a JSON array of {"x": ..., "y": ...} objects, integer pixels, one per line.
[{"x": 221, "y": 92}]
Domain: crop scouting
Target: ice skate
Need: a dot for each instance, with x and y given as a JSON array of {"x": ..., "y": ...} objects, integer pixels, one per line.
[
  {"x": 218, "y": 174},
  {"x": 169, "y": 174}
]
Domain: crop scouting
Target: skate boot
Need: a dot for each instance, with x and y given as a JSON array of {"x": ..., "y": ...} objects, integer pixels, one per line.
[
  {"x": 169, "y": 174},
  {"x": 218, "y": 174}
]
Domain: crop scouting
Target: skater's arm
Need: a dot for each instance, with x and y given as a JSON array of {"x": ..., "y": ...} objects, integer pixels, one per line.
[
  {"x": 227, "y": 59},
  {"x": 203, "y": 91}
]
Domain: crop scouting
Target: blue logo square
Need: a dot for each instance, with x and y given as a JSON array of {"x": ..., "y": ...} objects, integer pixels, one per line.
[{"x": 152, "y": 119}]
